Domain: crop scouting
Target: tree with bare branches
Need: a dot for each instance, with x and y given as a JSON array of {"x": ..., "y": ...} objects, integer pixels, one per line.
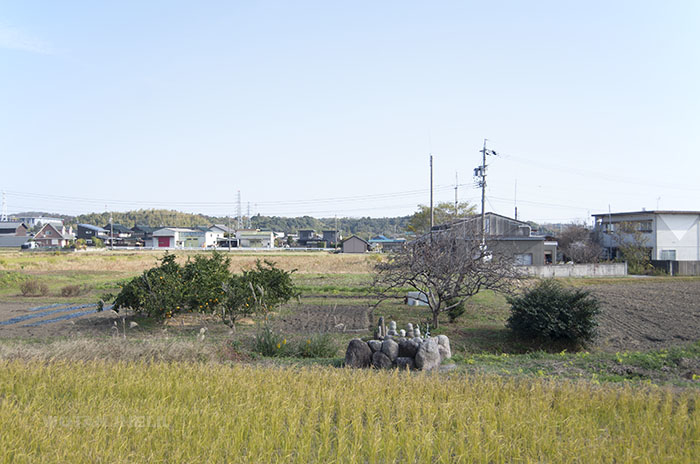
[
  {"x": 578, "y": 245},
  {"x": 446, "y": 267}
]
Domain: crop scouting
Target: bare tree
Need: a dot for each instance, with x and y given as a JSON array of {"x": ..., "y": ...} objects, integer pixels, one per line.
[
  {"x": 578, "y": 245},
  {"x": 447, "y": 268}
]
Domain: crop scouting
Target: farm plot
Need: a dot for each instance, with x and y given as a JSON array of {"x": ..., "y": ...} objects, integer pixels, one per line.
[
  {"x": 648, "y": 315},
  {"x": 58, "y": 319}
]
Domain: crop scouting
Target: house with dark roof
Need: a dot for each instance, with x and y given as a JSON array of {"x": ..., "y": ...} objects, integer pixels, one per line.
[
  {"x": 89, "y": 231},
  {"x": 15, "y": 229},
  {"x": 508, "y": 236}
]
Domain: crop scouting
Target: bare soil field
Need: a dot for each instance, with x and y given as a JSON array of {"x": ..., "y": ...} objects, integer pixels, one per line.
[
  {"x": 321, "y": 319},
  {"x": 648, "y": 315}
]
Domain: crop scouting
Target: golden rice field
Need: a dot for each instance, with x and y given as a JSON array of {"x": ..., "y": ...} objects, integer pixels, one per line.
[
  {"x": 136, "y": 412},
  {"x": 139, "y": 260}
]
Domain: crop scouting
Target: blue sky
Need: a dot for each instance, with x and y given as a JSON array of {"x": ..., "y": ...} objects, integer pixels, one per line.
[{"x": 326, "y": 108}]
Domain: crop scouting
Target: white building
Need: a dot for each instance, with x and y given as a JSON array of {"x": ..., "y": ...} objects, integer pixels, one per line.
[
  {"x": 669, "y": 235},
  {"x": 177, "y": 237},
  {"x": 255, "y": 239}
]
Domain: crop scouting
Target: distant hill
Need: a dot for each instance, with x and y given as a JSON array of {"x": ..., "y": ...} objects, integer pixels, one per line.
[{"x": 364, "y": 227}]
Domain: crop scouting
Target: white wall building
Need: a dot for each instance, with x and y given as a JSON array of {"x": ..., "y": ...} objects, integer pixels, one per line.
[
  {"x": 177, "y": 237},
  {"x": 669, "y": 235},
  {"x": 255, "y": 239}
]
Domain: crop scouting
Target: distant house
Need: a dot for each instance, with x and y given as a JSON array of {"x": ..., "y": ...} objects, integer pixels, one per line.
[
  {"x": 15, "y": 229},
  {"x": 305, "y": 236},
  {"x": 255, "y": 239},
  {"x": 33, "y": 221},
  {"x": 52, "y": 236},
  {"x": 668, "y": 235},
  {"x": 331, "y": 237},
  {"x": 143, "y": 233},
  {"x": 218, "y": 233},
  {"x": 387, "y": 244},
  {"x": 177, "y": 237},
  {"x": 88, "y": 232},
  {"x": 119, "y": 231},
  {"x": 509, "y": 237},
  {"x": 355, "y": 244}
]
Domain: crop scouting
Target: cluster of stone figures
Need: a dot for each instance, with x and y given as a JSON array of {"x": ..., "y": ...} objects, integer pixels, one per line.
[{"x": 403, "y": 349}]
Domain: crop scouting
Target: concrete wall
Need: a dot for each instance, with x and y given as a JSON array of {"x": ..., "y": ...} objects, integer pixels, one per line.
[
  {"x": 577, "y": 270},
  {"x": 681, "y": 268}
]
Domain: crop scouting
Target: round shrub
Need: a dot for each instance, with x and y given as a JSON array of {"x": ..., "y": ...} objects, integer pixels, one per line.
[{"x": 550, "y": 310}]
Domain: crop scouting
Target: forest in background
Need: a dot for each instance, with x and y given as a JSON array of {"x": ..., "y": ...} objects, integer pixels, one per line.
[{"x": 364, "y": 227}]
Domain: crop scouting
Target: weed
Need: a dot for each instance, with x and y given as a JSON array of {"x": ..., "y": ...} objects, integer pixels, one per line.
[{"x": 34, "y": 288}]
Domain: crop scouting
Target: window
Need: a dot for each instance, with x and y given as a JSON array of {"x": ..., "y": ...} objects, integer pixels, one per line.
[
  {"x": 668, "y": 255},
  {"x": 523, "y": 259}
]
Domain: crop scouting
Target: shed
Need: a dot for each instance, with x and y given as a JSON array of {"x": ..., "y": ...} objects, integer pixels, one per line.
[{"x": 355, "y": 244}]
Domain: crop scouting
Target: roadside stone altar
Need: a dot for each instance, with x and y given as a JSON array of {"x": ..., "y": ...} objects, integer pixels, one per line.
[{"x": 403, "y": 349}]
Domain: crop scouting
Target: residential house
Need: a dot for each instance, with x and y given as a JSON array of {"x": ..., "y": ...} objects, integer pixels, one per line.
[
  {"x": 509, "y": 236},
  {"x": 51, "y": 236},
  {"x": 305, "y": 236},
  {"x": 380, "y": 242},
  {"x": 331, "y": 237},
  {"x": 355, "y": 244},
  {"x": 218, "y": 235},
  {"x": 118, "y": 230},
  {"x": 13, "y": 234},
  {"x": 15, "y": 229},
  {"x": 667, "y": 235},
  {"x": 88, "y": 232},
  {"x": 143, "y": 233}
]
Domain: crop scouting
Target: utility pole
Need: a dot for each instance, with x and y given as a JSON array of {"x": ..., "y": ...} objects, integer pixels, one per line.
[
  {"x": 111, "y": 230},
  {"x": 480, "y": 174},
  {"x": 240, "y": 212},
  {"x": 456, "y": 198},
  {"x": 228, "y": 232},
  {"x": 3, "y": 218},
  {"x": 248, "y": 221},
  {"x": 515, "y": 199},
  {"x": 432, "y": 215}
]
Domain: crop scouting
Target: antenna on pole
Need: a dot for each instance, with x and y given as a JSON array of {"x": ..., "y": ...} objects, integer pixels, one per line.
[{"x": 3, "y": 218}]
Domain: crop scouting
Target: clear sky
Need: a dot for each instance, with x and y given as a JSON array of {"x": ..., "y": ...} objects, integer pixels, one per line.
[{"x": 323, "y": 108}]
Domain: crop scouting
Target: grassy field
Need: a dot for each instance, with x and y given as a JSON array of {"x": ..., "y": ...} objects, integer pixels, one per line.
[{"x": 164, "y": 412}]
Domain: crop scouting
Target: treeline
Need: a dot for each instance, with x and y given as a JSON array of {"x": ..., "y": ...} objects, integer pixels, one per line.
[
  {"x": 365, "y": 227},
  {"x": 149, "y": 217}
]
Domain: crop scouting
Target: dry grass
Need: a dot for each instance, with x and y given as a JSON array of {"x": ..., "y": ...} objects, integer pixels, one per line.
[
  {"x": 137, "y": 261},
  {"x": 168, "y": 349},
  {"x": 182, "y": 412}
]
